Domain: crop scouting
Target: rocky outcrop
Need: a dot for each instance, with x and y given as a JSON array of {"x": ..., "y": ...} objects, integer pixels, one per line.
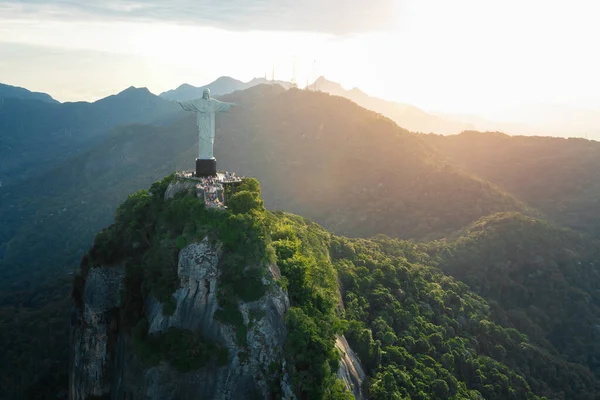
[
  {"x": 104, "y": 364},
  {"x": 246, "y": 374},
  {"x": 94, "y": 333},
  {"x": 197, "y": 294},
  {"x": 350, "y": 371},
  {"x": 179, "y": 186}
]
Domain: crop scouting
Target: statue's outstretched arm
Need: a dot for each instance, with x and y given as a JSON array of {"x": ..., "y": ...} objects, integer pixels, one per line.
[
  {"x": 223, "y": 105},
  {"x": 186, "y": 105}
]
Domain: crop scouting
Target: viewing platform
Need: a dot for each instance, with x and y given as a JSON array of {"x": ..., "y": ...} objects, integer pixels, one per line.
[{"x": 211, "y": 189}]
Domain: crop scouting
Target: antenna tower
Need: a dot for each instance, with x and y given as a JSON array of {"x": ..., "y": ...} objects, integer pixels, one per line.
[
  {"x": 315, "y": 75},
  {"x": 273, "y": 75},
  {"x": 294, "y": 83}
]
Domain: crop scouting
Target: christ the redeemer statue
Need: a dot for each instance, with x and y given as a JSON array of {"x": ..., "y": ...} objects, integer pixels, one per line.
[{"x": 205, "y": 109}]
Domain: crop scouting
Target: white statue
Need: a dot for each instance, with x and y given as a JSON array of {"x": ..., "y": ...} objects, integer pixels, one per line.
[{"x": 205, "y": 109}]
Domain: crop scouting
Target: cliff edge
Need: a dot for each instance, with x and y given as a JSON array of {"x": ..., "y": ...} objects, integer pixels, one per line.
[{"x": 179, "y": 301}]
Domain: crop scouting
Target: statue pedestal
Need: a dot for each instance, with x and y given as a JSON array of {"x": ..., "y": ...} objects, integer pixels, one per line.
[{"x": 206, "y": 167}]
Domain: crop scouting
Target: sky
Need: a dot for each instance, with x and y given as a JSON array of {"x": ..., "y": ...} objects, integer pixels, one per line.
[{"x": 483, "y": 57}]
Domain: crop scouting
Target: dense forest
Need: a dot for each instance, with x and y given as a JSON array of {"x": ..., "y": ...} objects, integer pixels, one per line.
[
  {"x": 543, "y": 279},
  {"x": 483, "y": 284},
  {"x": 504, "y": 309},
  {"x": 425, "y": 335}
]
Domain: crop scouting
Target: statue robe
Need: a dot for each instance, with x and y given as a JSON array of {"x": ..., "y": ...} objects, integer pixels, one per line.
[{"x": 205, "y": 110}]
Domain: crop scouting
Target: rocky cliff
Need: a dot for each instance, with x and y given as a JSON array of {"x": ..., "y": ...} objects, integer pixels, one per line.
[
  {"x": 202, "y": 341},
  {"x": 104, "y": 363}
]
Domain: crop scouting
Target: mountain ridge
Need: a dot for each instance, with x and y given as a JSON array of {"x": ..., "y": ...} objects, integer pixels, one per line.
[
  {"x": 553, "y": 174},
  {"x": 220, "y": 86},
  {"x": 17, "y": 92},
  {"x": 59, "y": 130},
  {"x": 405, "y": 115}
]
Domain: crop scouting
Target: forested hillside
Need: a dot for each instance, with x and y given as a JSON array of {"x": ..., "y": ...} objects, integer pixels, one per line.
[
  {"x": 543, "y": 280},
  {"x": 558, "y": 176},
  {"x": 351, "y": 170},
  {"x": 50, "y": 221},
  {"x": 321, "y": 156},
  {"x": 417, "y": 331},
  {"x": 35, "y": 135},
  {"x": 422, "y": 334}
]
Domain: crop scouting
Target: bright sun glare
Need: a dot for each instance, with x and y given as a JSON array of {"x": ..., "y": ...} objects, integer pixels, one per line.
[{"x": 464, "y": 56}]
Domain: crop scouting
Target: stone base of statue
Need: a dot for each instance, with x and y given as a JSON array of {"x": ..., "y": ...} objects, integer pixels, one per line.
[{"x": 206, "y": 167}]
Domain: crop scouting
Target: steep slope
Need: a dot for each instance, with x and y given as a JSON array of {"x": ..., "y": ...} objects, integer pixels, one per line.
[
  {"x": 16, "y": 92},
  {"x": 544, "y": 280},
  {"x": 50, "y": 220},
  {"x": 322, "y": 156},
  {"x": 350, "y": 169},
  {"x": 220, "y": 86},
  {"x": 251, "y": 303},
  {"x": 558, "y": 176},
  {"x": 37, "y": 135},
  {"x": 176, "y": 301},
  {"x": 422, "y": 334}
]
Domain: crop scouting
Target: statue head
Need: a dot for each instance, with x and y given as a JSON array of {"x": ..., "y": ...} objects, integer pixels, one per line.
[{"x": 206, "y": 93}]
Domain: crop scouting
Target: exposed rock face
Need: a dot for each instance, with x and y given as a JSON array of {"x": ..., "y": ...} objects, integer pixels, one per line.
[
  {"x": 196, "y": 304},
  {"x": 178, "y": 186},
  {"x": 105, "y": 365},
  {"x": 351, "y": 371},
  {"x": 93, "y": 332},
  {"x": 196, "y": 296}
]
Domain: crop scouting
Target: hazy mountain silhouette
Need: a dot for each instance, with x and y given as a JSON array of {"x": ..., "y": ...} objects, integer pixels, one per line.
[
  {"x": 484, "y": 124},
  {"x": 35, "y": 135},
  {"x": 16, "y": 92},
  {"x": 538, "y": 119},
  {"x": 220, "y": 86},
  {"x": 405, "y": 115},
  {"x": 557, "y": 120}
]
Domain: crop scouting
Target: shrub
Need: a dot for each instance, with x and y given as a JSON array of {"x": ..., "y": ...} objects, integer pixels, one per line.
[{"x": 244, "y": 201}]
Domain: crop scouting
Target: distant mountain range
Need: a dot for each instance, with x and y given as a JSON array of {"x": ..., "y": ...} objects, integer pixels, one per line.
[
  {"x": 536, "y": 119},
  {"x": 15, "y": 92},
  {"x": 36, "y": 135},
  {"x": 222, "y": 85},
  {"x": 405, "y": 115}
]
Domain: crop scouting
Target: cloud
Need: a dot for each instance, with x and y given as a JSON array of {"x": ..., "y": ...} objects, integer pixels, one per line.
[{"x": 338, "y": 17}]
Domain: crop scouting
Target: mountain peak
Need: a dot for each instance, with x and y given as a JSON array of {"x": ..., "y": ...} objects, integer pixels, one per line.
[
  {"x": 131, "y": 93},
  {"x": 185, "y": 86},
  {"x": 225, "y": 79},
  {"x": 133, "y": 89},
  {"x": 325, "y": 85},
  {"x": 220, "y": 86}
]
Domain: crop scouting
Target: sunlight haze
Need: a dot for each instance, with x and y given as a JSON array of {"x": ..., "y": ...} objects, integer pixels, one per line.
[{"x": 491, "y": 58}]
